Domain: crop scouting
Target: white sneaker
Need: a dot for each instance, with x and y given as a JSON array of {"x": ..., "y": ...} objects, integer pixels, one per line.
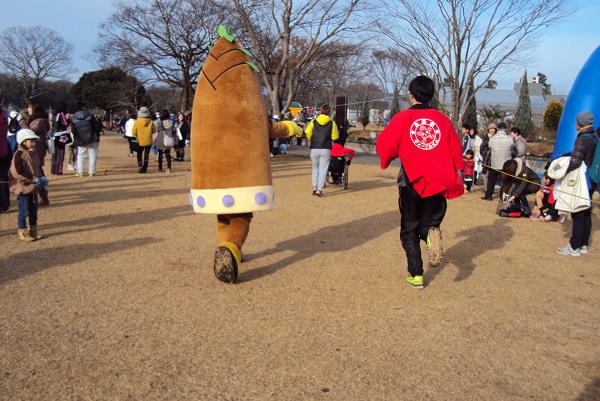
[
  {"x": 70, "y": 167},
  {"x": 567, "y": 250},
  {"x": 583, "y": 249}
]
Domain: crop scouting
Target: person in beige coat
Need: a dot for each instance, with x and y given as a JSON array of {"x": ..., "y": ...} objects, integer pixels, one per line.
[
  {"x": 165, "y": 139},
  {"x": 26, "y": 181}
]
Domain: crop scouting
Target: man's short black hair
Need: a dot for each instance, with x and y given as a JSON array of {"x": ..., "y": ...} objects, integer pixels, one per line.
[
  {"x": 421, "y": 88},
  {"x": 466, "y": 126}
]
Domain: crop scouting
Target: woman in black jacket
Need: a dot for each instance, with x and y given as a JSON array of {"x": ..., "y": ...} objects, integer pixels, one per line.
[
  {"x": 525, "y": 181},
  {"x": 583, "y": 152},
  {"x": 184, "y": 130}
]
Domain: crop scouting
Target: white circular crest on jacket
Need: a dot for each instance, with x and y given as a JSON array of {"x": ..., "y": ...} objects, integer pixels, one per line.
[{"x": 425, "y": 134}]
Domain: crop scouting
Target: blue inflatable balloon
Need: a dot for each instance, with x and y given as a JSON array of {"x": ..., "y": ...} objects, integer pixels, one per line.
[{"x": 584, "y": 95}]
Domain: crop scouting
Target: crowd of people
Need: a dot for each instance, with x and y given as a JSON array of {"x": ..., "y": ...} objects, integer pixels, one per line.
[
  {"x": 429, "y": 174},
  {"x": 28, "y": 136},
  {"x": 160, "y": 136}
]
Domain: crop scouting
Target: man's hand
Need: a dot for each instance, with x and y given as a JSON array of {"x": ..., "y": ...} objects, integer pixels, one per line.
[{"x": 348, "y": 162}]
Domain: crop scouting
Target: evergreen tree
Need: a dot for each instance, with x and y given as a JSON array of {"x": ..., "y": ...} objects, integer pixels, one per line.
[
  {"x": 523, "y": 117},
  {"x": 395, "y": 101},
  {"x": 364, "y": 116},
  {"x": 552, "y": 114},
  {"x": 470, "y": 116}
]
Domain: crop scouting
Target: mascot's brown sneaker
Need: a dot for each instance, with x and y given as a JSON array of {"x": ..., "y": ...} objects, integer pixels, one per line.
[
  {"x": 227, "y": 259},
  {"x": 435, "y": 252}
]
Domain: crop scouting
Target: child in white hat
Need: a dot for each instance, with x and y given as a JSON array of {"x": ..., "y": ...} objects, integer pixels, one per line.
[{"x": 26, "y": 181}]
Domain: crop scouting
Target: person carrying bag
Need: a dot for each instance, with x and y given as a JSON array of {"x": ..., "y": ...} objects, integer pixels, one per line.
[{"x": 165, "y": 140}]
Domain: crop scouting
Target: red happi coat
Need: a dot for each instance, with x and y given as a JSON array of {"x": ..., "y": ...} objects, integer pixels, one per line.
[{"x": 430, "y": 151}]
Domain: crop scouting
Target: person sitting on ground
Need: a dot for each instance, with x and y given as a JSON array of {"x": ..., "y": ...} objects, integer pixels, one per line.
[
  {"x": 544, "y": 209},
  {"x": 525, "y": 181}
]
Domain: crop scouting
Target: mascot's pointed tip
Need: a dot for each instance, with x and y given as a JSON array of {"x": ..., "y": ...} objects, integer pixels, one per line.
[{"x": 226, "y": 33}]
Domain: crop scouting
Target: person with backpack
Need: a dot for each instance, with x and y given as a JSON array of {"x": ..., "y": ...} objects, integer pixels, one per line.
[
  {"x": 584, "y": 151},
  {"x": 165, "y": 140},
  {"x": 15, "y": 123},
  {"x": 86, "y": 136},
  {"x": 321, "y": 132}
]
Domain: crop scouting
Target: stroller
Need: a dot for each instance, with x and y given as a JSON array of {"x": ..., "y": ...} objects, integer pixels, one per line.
[{"x": 338, "y": 171}]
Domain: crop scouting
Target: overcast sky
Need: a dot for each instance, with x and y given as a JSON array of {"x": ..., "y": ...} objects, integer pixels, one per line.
[{"x": 564, "y": 49}]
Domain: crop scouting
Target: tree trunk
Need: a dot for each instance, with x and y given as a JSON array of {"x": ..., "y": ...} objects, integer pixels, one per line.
[{"x": 186, "y": 92}]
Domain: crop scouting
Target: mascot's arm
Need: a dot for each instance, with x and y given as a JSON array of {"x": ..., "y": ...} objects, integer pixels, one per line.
[{"x": 284, "y": 129}]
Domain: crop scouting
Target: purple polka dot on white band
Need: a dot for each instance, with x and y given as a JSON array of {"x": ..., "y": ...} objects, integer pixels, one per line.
[
  {"x": 201, "y": 202},
  {"x": 228, "y": 201},
  {"x": 260, "y": 198}
]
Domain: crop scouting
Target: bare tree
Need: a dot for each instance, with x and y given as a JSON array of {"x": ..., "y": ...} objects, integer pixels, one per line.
[
  {"x": 286, "y": 36},
  {"x": 467, "y": 41},
  {"x": 330, "y": 74},
  {"x": 32, "y": 54},
  {"x": 392, "y": 68},
  {"x": 163, "y": 40}
]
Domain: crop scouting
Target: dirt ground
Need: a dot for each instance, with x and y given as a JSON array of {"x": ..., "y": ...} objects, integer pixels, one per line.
[{"x": 119, "y": 301}]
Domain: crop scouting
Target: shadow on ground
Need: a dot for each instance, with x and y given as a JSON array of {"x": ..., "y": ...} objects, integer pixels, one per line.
[
  {"x": 464, "y": 252},
  {"x": 591, "y": 391},
  {"x": 327, "y": 239},
  {"x": 36, "y": 260}
]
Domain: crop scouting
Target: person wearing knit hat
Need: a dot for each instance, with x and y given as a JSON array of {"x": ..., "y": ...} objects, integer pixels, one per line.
[
  {"x": 144, "y": 130},
  {"x": 26, "y": 180},
  {"x": 501, "y": 146},
  {"x": 585, "y": 118},
  {"x": 583, "y": 152}
]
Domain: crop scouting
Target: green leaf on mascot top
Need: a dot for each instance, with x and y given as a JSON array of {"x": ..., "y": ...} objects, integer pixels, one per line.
[
  {"x": 255, "y": 68},
  {"x": 209, "y": 47},
  {"x": 246, "y": 52},
  {"x": 226, "y": 33}
]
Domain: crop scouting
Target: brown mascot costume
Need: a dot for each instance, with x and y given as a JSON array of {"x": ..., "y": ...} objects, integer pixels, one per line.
[{"x": 231, "y": 168}]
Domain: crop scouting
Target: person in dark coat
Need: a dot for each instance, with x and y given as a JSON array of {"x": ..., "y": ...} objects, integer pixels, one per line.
[
  {"x": 583, "y": 152},
  {"x": 86, "y": 136}
]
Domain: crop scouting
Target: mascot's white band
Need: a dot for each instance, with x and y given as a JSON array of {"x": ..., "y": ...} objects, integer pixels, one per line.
[{"x": 232, "y": 200}]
